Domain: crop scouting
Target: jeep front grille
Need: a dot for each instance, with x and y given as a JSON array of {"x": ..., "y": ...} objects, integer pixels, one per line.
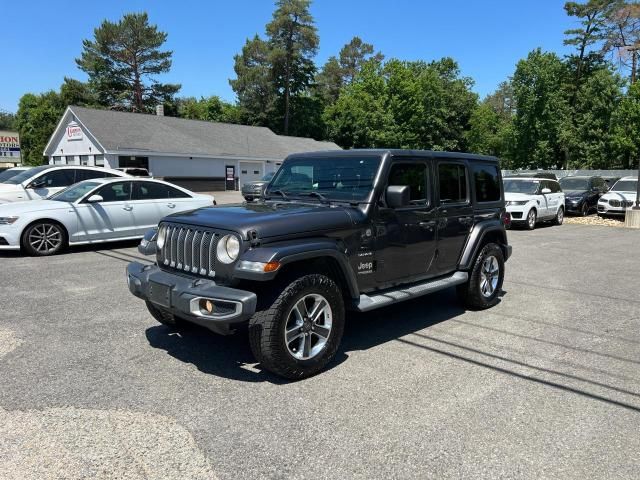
[{"x": 189, "y": 249}]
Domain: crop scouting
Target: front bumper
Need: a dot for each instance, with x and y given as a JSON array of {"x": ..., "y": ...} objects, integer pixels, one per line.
[
  {"x": 606, "y": 209},
  {"x": 518, "y": 212},
  {"x": 182, "y": 296},
  {"x": 9, "y": 240},
  {"x": 572, "y": 206}
]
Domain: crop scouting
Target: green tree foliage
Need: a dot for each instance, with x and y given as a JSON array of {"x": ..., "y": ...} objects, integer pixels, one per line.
[
  {"x": 542, "y": 118},
  {"x": 403, "y": 105},
  {"x": 294, "y": 41},
  {"x": 122, "y": 61},
  {"x": 625, "y": 136},
  {"x": 212, "y": 109},
  {"x": 7, "y": 120},
  {"x": 36, "y": 119},
  {"x": 340, "y": 71}
]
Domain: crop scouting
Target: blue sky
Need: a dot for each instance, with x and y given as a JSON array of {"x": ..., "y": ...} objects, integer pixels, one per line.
[{"x": 41, "y": 38}]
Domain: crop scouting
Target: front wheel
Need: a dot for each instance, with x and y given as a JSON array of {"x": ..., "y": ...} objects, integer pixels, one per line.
[
  {"x": 299, "y": 333},
  {"x": 559, "y": 217},
  {"x": 584, "y": 211},
  {"x": 485, "y": 279},
  {"x": 532, "y": 218},
  {"x": 44, "y": 238}
]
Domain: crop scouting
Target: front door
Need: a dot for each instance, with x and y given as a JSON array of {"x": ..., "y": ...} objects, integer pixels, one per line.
[
  {"x": 110, "y": 219},
  {"x": 455, "y": 213},
  {"x": 49, "y": 183},
  {"x": 405, "y": 236}
]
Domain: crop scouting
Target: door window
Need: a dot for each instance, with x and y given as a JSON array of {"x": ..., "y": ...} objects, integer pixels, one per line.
[
  {"x": 116, "y": 192},
  {"x": 57, "y": 178},
  {"x": 415, "y": 176},
  {"x": 452, "y": 181},
  {"x": 487, "y": 183},
  {"x": 150, "y": 191}
]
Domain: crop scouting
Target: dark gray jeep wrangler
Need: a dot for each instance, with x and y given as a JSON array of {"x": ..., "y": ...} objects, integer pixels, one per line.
[{"x": 334, "y": 231}]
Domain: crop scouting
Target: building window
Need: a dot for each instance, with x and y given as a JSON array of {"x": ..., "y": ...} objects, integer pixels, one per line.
[
  {"x": 71, "y": 160},
  {"x": 84, "y": 160},
  {"x": 99, "y": 160},
  {"x": 256, "y": 172},
  {"x": 244, "y": 172},
  {"x": 133, "y": 162},
  {"x": 57, "y": 160}
]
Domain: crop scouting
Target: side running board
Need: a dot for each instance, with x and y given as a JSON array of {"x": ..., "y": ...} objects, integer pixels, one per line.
[{"x": 407, "y": 292}]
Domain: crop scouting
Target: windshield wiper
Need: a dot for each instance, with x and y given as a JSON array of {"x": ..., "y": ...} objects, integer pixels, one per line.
[
  {"x": 319, "y": 196},
  {"x": 279, "y": 192}
]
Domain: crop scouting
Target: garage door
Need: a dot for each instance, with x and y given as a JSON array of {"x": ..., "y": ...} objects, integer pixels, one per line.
[{"x": 250, "y": 171}]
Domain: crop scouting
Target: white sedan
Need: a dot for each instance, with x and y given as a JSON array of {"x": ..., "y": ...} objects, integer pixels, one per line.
[{"x": 93, "y": 211}]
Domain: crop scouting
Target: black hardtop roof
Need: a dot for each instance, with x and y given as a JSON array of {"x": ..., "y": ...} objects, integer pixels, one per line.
[{"x": 396, "y": 152}]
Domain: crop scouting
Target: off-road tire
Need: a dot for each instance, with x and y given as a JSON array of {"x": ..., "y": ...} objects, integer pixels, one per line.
[
  {"x": 559, "y": 218},
  {"x": 470, "y": 292},
  {"x": 30, "y": 250},
  {"x": 162, "y": 316},
  {"x": 266, "y": 328},
  {"x": 527, "y": 223}
]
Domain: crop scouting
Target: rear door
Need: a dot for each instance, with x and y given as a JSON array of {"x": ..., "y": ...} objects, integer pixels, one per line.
[
  {"x": 455, "y": 212},
  {"x": 405, "y": 236}
]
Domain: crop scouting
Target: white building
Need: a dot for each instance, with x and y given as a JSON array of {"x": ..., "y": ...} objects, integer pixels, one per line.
[{"x": 197, "y": 154}]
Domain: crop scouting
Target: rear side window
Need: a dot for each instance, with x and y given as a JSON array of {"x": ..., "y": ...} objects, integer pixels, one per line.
[
  {"x": 88, "y": 175},
  {"x": 156, "y": 191},
  {"x": 487, "y": 183},
  {"x": 415, "y": 176},
  {"x": 452, "y": 180}
]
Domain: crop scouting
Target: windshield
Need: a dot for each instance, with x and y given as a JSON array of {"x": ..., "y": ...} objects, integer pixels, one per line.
[
  {"x": 74, "y": 192},
  {"x": 625, "y": 186},
  {"x": 568, "y": 183},
  {"x": 7, "y": 174},
  {"x": 26, "y": 175},
  {"x": 268, "y": 177},
  {"x": 336, "y": 178},
  {"x": 528, "y": 187}
]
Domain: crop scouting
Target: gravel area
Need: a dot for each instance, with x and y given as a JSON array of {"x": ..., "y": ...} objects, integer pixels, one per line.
[
  {"x": 544, "y": 385},
  {"x": 595, "y": 220}
]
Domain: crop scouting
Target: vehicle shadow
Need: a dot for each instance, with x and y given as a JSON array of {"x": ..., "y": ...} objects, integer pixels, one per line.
[
  {"x": 230, "y": 356},
  {"x": 96, "y": 247}
]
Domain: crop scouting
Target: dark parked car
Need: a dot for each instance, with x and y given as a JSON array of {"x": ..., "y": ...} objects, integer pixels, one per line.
[
  {"x": 610, "y": 181},
  {"x": 582, "y": 194},
  {"x": 253, "y": 190},
  {"x": 353, "y": 230},
  {"x": 536, "y": 174}
]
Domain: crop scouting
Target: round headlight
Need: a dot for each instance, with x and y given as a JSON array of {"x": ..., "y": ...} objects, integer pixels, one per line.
[
  {"x": 162, "y": 236},
  {"x": 228, "y": 249}
]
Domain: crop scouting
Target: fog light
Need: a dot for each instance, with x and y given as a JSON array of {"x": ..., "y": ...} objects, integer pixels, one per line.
[{"x": 207, "y": 306}]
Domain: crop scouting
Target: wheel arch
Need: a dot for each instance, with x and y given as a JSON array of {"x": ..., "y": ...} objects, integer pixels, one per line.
[
  {"x": 483, "y": 233},
  {"x": 65, "y": 229}
]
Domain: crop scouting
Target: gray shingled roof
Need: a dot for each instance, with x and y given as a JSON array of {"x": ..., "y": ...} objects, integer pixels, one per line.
[{"x": 124, "y": 131}]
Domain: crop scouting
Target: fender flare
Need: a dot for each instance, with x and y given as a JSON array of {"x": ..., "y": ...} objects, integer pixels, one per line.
[
  {"x": 475, "y": 240},
  {"x": 295, "y": 251}
]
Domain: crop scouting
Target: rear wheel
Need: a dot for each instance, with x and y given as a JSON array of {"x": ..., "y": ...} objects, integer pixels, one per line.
[
  {"x": 532, "y": 218},
  {"x": 485, "y": 279},
  {"x": 298, "y": 334},
  {"x": 44, "y": 238}
]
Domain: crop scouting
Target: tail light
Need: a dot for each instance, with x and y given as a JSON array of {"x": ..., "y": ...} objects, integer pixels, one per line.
[{"x": 505, "y": 218}]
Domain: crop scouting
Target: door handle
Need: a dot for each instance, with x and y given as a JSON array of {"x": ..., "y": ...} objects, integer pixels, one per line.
[
  {"x": 427, "y": 225},
  {"x": 171, "y": 205},
  {"x": 127, "y": 208}
]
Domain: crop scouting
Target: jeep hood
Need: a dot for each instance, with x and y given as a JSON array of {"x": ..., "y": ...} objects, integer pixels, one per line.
[{"x": 272, "y": 219}]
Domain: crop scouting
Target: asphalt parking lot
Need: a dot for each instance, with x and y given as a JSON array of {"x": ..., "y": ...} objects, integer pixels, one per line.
[{"x": 545, "y": 385}]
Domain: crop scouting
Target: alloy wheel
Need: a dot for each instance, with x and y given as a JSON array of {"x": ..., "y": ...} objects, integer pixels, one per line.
[
  {"x": 308, "y": 326},
  {"x": 531, "y": 219},
  {"x": 45, "y": 238},
  {"x": 490, "y": 274}
]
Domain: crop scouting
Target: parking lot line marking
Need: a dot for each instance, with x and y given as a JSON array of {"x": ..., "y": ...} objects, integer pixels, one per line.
[{"x": 560, "y": 289}]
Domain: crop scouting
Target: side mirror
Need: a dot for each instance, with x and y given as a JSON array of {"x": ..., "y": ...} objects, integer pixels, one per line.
[
  {"x": 95, "y": 199},
  {"x": 398, "y": 196},
  {"x": 37, "y": 184},
  {"x": 148, "y": 246},
  {"x": 546, "y": 190}
]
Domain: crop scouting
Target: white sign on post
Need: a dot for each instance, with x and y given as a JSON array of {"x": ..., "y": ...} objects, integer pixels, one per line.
[{"x": 74, "y": 132}]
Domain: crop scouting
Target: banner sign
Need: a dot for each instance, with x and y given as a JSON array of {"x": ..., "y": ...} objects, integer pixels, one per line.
[
  {"x": 74, "y": 132},
  {"x": 9, "y": 147}
]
